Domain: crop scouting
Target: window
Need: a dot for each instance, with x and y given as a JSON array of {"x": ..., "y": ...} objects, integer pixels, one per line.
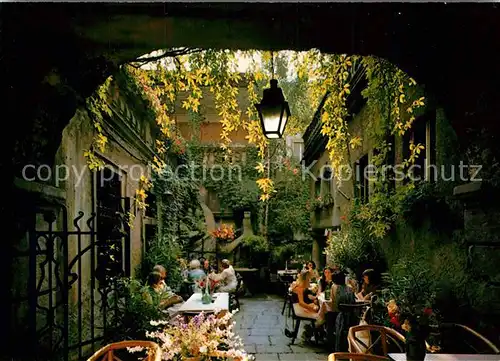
[
  {"x": 297, "y": 149},
  {"x": 362, "y": 186},
  {"x": 422, "y": 132},
  {"x": 327, "y": 179},
  {"x": 151, "y": 202},
  {"x": 317, "y": 188},
  {"x": 149, "y": 235},
  {"x": 113, "y": 252}
]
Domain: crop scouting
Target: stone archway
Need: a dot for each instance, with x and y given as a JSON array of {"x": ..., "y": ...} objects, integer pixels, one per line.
[{"x": 55, "y": 55}]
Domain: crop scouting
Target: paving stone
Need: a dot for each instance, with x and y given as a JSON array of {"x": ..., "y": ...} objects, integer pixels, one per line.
[
  {"x": 303, "y": 357},
  {"x": 258, "y": 340},
  {"x": 250, "y": 348},
  {"x": 274, "y": 349},
  {"x": 266, "y": 357},
  {"x": 280, "y": 340},
  {"x": 264, "y": 331},
  {"x": 261, "y": 327}
]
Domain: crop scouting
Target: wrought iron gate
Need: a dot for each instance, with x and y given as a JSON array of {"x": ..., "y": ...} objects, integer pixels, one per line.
[{"x": 72, "y": 273}]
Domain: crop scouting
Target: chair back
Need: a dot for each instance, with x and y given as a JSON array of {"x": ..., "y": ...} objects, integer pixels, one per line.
[
  {"x": 346, "y": 356},
  {"x": 460, "y": 339},
  {"x": 108, "y": 352},
  {"x": 376, "y": 340}
]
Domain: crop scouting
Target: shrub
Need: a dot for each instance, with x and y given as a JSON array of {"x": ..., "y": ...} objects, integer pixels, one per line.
[
  {"x": 135, "y": 313},
  {"x": 353, "y": 248}
]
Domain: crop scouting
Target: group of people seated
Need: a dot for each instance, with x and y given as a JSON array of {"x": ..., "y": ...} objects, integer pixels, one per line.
[
  {"x": 161, "y": 295},
  {"x": 337, "y": 288},
  {"x": 226, "y": 280}
]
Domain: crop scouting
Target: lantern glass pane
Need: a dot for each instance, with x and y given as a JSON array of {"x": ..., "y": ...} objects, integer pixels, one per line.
[
  {"x": 271, "y": 117},
  {"x": 283, "y": 122}
]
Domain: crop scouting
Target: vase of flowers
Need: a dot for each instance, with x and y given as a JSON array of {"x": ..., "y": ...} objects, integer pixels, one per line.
[
  {"x": 201, "y": 338},
  {"x": 411, "y": 294}
]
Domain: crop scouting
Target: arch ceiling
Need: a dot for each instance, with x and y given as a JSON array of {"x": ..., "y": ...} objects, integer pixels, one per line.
[{"x": 452, "y": 49}]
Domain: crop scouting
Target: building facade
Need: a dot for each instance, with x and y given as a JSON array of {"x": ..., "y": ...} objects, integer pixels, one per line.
[{"x": 77, "y": 229}]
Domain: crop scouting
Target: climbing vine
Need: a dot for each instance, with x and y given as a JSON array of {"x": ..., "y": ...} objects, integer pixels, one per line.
[
  {"x": 392, "y": 97},
  {"x": 97, "y": 107}
]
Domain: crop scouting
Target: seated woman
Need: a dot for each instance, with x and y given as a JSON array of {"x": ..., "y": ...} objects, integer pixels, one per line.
[
  {"x": 325, "y": 283},
  {"x": 303, "y": 297},
  {"x": 155, "y": 294},
  {"x": 311, "y": 268},
  {"x": 370, "y": 285}
]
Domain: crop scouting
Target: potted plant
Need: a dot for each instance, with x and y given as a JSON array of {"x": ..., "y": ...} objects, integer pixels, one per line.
[
  {"x": 201, "y": 338},
  {"x": 224, "y": 233},
  {"x": 410, "y": 293}
]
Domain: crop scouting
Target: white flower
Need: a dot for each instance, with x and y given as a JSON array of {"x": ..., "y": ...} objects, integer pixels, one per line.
[{"x": 203, "y": 349}]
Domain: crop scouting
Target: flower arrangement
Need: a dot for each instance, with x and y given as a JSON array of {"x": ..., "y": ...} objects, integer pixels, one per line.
[
  {"x": 224, "y": 233},
  {"x": 211, "y": 284},
  {"x": 411, "y": 294},
  {"x": 201, "y": 338}
]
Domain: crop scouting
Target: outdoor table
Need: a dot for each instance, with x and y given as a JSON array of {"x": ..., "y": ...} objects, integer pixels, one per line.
[
  {"x": 194, "y": 305},
  {"x": 250, "y": 279},
  {"x": 448, "y": 357}
]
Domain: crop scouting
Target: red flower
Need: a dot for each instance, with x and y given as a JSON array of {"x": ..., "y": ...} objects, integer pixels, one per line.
[
  {"x": 343, "y": 218},
  {"x": 395, "y": 321},
  {"x": 427, "y": 311},
  {"x": 295, "y": 171}
]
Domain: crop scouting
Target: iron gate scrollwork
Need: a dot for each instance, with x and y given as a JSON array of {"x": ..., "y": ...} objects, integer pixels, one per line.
[{"x": 71, "y": 291}]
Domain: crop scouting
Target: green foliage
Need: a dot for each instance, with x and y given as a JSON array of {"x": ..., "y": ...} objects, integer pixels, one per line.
[
  {"x": 354, "y": 247},
  {"x": 180, "y": 220},
  {"x": 135, "y": 312},
  {"x": 257, "y": 244},
  {"x": 288, "y": 213},
  {"x": 412, "y": 284}
]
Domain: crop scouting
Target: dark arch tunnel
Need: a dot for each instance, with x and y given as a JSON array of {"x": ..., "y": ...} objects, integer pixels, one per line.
[{"x": 452, "y": 49}]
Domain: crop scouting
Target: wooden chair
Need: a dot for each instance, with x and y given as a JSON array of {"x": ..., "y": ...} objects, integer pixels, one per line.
[
  {"x": 460, "y": 339},
  {"x": 107, "y": 353},
  {"x": 385, "y": 337},
  {"x": 346, "y": 356}
]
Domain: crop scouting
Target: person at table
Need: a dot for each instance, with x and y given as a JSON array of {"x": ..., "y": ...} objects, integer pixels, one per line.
[
  {"x": 155, "y": 294},
  {"x": 195, "y": 271},
  {"x": 311, "y": 268},
  {"x": 370, "y": 285},
  {"x": 325, "y": 283},
  {"x": 303, "y": 296},
  {"x": 207, "y": 267},
  {"x": 227, "y": 280},
  {"x": 342, "y": 294},
  {"x": 163, "y": 274}
]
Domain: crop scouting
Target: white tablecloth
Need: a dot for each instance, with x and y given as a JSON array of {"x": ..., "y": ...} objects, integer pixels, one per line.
[{"x": 194, "y": 304}]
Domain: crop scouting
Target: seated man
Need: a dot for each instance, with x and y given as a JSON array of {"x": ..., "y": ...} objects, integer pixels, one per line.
[{"x": 227, "y": 278}]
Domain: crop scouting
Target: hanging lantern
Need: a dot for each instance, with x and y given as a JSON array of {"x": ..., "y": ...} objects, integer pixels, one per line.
[{"x": 273, "y": 111}]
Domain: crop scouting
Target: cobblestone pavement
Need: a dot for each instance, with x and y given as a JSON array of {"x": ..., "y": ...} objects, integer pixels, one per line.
[{"x": 261, "y": 326}]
